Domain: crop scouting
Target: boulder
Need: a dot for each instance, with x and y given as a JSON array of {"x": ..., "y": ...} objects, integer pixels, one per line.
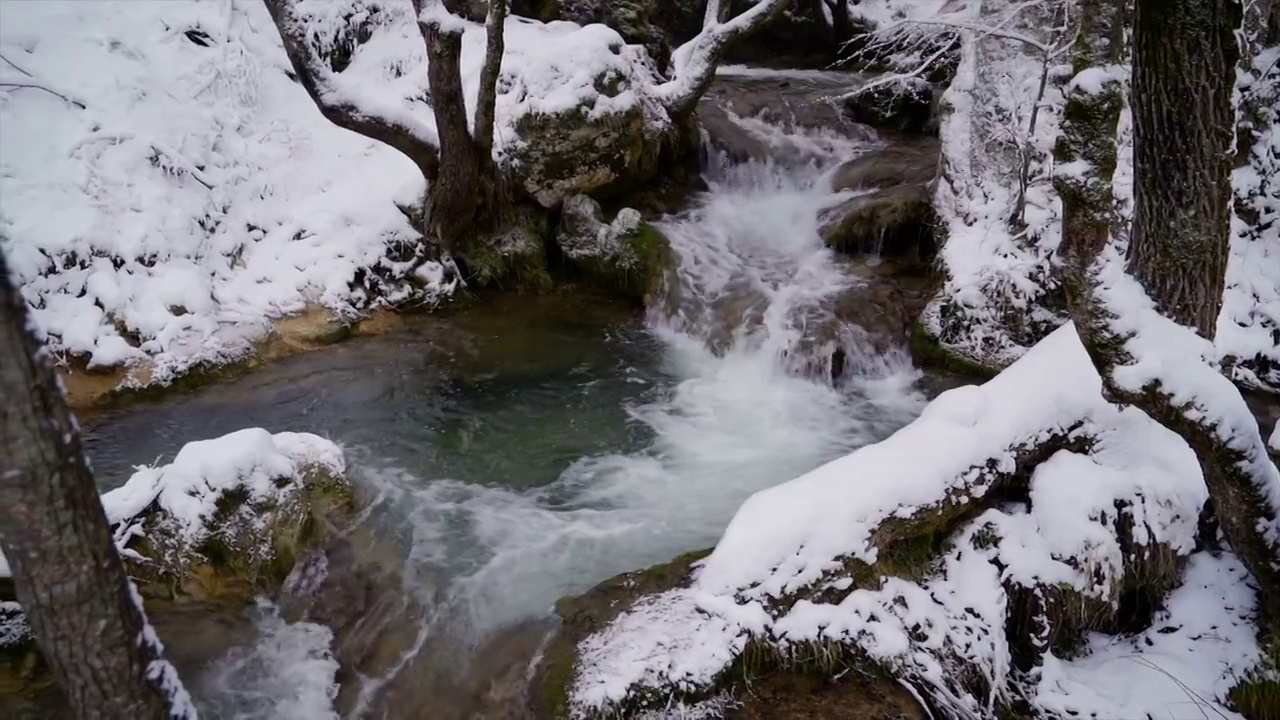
[
  {"x": 201, "y": 537},
  {"x": 892, "y": 215},
  {"x": 626, "y": 254},
  {"x": 897, "y": 222},
  {"x": 228, "y": 517},
  {"x": 604, "y": 154}
]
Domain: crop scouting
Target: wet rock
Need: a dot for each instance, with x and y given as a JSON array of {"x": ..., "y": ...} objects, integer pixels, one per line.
[
  {"x": 584, "y": 614},
  {"x": 626, "y": 254},
  {"x": 892, "y": 216},
  {"x": 896, "y": 222},
  {"x": 792, "y": 103},
  {"x": 862, "y": 332},
  {"x": 906, "y": 109},
  {"x": 913, "y": 162}
]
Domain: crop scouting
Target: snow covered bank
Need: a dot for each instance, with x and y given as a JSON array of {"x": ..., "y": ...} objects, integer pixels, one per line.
[
  {"x": 1045, "y": 513},
  {"x": 169, "y": 189}
]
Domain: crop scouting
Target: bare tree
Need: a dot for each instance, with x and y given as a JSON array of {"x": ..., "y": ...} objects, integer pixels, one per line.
[
  {"x": 466, "y": 189},
  {"x": 1184, "y": 59},
  {"x": 70, "y": 580}
]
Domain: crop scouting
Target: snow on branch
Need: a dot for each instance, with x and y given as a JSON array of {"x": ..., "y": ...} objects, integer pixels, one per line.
[
  {"x": 694, "y": 63},
  {"x": 347, "y": 106}
]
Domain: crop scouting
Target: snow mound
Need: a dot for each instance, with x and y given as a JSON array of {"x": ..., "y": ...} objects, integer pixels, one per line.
[{"x": 1078, "y": 504}]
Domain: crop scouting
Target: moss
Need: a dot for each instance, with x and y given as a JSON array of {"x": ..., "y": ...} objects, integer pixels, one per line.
[
  {"x": 927, "y": 352},
  {"x": 1257, "y": 694}
]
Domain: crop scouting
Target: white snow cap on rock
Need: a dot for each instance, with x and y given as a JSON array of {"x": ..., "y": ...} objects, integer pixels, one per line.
[{"x": 188, "y": 488}]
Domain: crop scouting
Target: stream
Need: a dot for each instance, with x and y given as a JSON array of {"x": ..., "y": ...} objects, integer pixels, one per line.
[{"x": 528, "y": 448}]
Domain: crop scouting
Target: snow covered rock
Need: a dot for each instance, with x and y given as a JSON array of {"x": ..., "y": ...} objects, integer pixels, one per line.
[
  {"x": 626, "y": 254},
  {"x": 228, "y": 516},
  {"x": 1039, "y": 514}
]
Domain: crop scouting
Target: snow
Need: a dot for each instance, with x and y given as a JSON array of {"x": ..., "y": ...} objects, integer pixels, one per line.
[
  {"x": 1249, "y": 324},
  {"x": 1180, "y": 361},
  {"x": 1197, "y": 648},
  {"x": 195, "y": 193},
  {"x": 787, "y": 541}
]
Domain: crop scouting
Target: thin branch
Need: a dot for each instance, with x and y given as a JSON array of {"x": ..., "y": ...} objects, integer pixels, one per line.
[
  {"x": 487, "y": 100},
  {"x": 37, "y": 86},
  {"x": 15, "y": 66},
  {"x": 344, "y": 105}
]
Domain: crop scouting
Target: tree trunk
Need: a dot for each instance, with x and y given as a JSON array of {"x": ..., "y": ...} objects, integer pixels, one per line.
[
  {"x": 1089, "y": 120},
  {"x": 69, "y": 578},
  {"x": 1185, "y": 54},
  {"x": 1184, "y": 122},
  {"x": 454, "y": 196}
]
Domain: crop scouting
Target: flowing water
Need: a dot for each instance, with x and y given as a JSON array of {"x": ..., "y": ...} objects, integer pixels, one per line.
[{"x": 526, "y": 450}]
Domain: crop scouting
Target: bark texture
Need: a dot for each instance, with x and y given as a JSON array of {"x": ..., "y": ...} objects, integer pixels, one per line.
[
  {"x": 1089, "y": 120},
  {"x": 69, "y": 578},
  {"x": 455, "y": 194},
  {"x": 1185, "y": 54}
]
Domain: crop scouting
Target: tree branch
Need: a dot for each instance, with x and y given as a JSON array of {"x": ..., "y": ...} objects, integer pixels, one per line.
[
  {"x": 487, "y": 100},
  {"x": 694, "y": 63},
  {"x": 345, "y": 106}
]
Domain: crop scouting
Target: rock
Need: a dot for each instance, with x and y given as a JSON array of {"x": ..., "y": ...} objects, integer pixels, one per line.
[
  {"x": 896, "y": 222},
  {"x": 634, "y": 20},
  {"x": 794, "y": 104},
  {"x": 627, "y": 254},
  {"x": 863, "y": 332},
  {"x": 200, "y": 537},
  {"x": 757, "y": 693},
  {"x": 228, "y": 517},
  {"x": 909, "y": 109},
  {"x": 601, "y": 154},
  {"x": 900, "y": 163}
]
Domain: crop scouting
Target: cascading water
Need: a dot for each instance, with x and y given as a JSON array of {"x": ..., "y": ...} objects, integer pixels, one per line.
[
  {"x": 746, "y": 413},
  {"x": 742, "y": 401}
]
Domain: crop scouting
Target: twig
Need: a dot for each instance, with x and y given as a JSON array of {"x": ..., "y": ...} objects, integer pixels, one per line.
[{"x": 37, "y": 86}]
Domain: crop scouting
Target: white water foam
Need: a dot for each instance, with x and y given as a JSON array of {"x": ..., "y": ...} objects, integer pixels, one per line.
[{"x": 289, "y": 674}]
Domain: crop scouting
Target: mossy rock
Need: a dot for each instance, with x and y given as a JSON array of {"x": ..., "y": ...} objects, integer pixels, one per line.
[
  {"x": 629, "y": 256},
  {"x": 249, "y": 548},
  {"x": 896, "y": 222},
  {"x": 928, "y": 352}
]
